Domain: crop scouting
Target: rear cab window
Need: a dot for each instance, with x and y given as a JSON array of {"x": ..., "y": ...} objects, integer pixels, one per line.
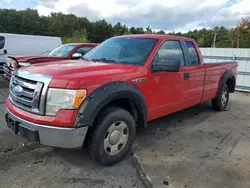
[
  {"x": 192, "y": 53},
  {"x": 2, "y": 42}
]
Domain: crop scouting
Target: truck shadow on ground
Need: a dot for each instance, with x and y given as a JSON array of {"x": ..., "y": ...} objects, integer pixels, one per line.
[
  {"x": 81, "y": 158},
  {"x": 162, "y": 127},
  {"x": 156, "y": 130}
]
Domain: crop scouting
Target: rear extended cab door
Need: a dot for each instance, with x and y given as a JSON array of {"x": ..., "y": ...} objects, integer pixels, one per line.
[{"x": 194, "y": 72}]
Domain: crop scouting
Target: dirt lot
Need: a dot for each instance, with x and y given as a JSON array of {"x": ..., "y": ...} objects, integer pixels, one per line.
[{"x": 193, "y": 148}]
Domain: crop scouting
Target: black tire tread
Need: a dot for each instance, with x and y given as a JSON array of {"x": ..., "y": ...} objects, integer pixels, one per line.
[
  {"x": 92, "y": 141},
  {"x": 216, "y": 102},
  {"x": 93, "y": 130}
]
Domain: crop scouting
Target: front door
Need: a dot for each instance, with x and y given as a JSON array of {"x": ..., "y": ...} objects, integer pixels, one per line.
[{"x": 170, "y": 89}]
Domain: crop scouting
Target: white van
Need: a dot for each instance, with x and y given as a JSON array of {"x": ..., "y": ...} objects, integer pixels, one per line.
[{"x": 15, "y": 44}]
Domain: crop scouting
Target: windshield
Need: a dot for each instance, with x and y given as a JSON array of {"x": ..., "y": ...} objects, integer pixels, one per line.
[
  {"x": 125, "y": 50},
  {"x": 62, "y": 51}
]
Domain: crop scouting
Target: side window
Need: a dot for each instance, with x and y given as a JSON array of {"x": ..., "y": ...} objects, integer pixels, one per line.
[
  {"x": 170, "y": 50},
  {"x": 83, "y": 50},
  {"x": 2, "y": 42},
  {"x": 194, "y": 58}
]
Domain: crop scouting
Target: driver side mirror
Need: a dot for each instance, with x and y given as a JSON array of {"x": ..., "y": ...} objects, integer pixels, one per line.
[
  {"x": 167, "y": 65},
  {"x": 76, "y": 56}
]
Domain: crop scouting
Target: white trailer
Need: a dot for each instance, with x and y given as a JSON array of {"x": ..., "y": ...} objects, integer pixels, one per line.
[{"x": 15, "y": 44}]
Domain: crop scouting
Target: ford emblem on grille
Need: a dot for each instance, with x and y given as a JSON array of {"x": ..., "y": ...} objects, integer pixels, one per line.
[{"x": 17, "y": 90}]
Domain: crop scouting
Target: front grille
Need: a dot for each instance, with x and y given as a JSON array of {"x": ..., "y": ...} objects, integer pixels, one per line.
[
  {"x": 26, "y": 93},
  {"x": 8, "y": 69}
]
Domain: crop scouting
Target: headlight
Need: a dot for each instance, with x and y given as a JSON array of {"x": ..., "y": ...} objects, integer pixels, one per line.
[
  {"x": 58, "y": 99},
  {"x": 23, "y": 64}
]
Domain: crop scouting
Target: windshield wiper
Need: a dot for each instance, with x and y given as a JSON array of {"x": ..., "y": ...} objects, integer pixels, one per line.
[
  {"x": 85, "y": 59},
  {"x": 105, "y": 60}
]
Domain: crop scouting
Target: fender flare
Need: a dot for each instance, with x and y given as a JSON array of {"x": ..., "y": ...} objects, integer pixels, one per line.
[
  {"x": 229, "y": 74},
  {"x": 107, "y": 93}
]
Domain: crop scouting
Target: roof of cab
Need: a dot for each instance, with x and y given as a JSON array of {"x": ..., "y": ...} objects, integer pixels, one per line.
[{"x": 156, "y": 36}]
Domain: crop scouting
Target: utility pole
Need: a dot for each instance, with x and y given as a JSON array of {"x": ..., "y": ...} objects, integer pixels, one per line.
[{"x": 215, "y": 36}]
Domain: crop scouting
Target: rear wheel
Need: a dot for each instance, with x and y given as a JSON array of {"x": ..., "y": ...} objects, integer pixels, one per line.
[
  {"x": 112, "y": 136},
  {"x": 220, "y": 102}
]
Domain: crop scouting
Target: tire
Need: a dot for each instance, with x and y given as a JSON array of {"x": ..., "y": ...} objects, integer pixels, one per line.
[
  {"x": 112, "y": 136},
  {"x": 221, "y": 101}
]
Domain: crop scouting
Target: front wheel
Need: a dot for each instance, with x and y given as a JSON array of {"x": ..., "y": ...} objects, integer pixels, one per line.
[
  {"x": 221, "y": 101},
  {"x": 112, "y": 136}
]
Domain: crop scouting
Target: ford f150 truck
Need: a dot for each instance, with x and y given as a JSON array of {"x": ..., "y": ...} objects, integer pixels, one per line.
[
  {"x": 118, "y": 86},
  {"x": 62, "y": 52}
]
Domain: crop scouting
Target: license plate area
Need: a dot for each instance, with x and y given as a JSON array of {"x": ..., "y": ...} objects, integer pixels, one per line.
[
  {"x": 14, "y": 126},
  {"x": 21, "y": 130}
]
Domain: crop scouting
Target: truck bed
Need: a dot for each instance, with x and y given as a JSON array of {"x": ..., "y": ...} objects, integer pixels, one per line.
[{"x": 214, "y": 72}]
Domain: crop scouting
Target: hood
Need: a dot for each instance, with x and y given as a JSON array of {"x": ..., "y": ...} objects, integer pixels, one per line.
[
  {"x": 78, "y": 72},
  {"x": 36, "y": 59}
]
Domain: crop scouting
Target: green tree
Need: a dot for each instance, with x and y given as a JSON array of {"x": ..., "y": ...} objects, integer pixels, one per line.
[
  {"x": 100, "y": 31},
  {"x": 77, "y": 37},
  {"x": 120, "y": 29},
  {"x": 148, "y": 30},
  {"x": 10, "y": 21},
  {"x": 232, "y": 37},
  {"x": 161, "y": 32},
  {"x": 241, "y": 29},
  {"x": 140, "y": 30},
  {"x": 62, "y": 24},
  {"x": 132, "y": 30},
  {"x": 200, "y": 41}
]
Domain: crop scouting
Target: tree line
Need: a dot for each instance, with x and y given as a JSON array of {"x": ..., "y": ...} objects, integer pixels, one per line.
[{"x": 79, "y": 29}]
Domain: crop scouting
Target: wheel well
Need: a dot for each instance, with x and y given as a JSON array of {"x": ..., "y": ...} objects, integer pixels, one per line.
[
  {"x": 128, "y": 105},
  {"x": 124, "y": 103},
  {"x": 231, "y": 84}
]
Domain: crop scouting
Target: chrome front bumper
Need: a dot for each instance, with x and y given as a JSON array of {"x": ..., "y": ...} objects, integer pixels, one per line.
[{"x": 47, "y": 135}]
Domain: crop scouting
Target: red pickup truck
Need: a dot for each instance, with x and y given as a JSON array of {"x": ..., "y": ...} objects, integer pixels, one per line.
[
  {"x": 62, "y": 52},
  {"x": 118, "y": 86}
]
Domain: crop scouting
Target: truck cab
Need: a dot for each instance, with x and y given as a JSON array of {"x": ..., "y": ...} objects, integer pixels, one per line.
[{"x": 120, "y": 85}]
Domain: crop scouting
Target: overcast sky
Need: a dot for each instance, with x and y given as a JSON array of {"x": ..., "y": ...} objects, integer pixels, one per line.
[{"x": 174, "y": 15}]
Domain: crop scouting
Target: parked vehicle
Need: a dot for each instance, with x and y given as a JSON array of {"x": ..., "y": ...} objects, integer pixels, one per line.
[
  {"x": 62, "y": 52},
  {"x": 15, "y": 44},
  {"x": 123, "y": 83}
]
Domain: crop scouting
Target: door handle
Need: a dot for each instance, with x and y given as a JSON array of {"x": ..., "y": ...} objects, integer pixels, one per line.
[{"x": 186, "y": 76}]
